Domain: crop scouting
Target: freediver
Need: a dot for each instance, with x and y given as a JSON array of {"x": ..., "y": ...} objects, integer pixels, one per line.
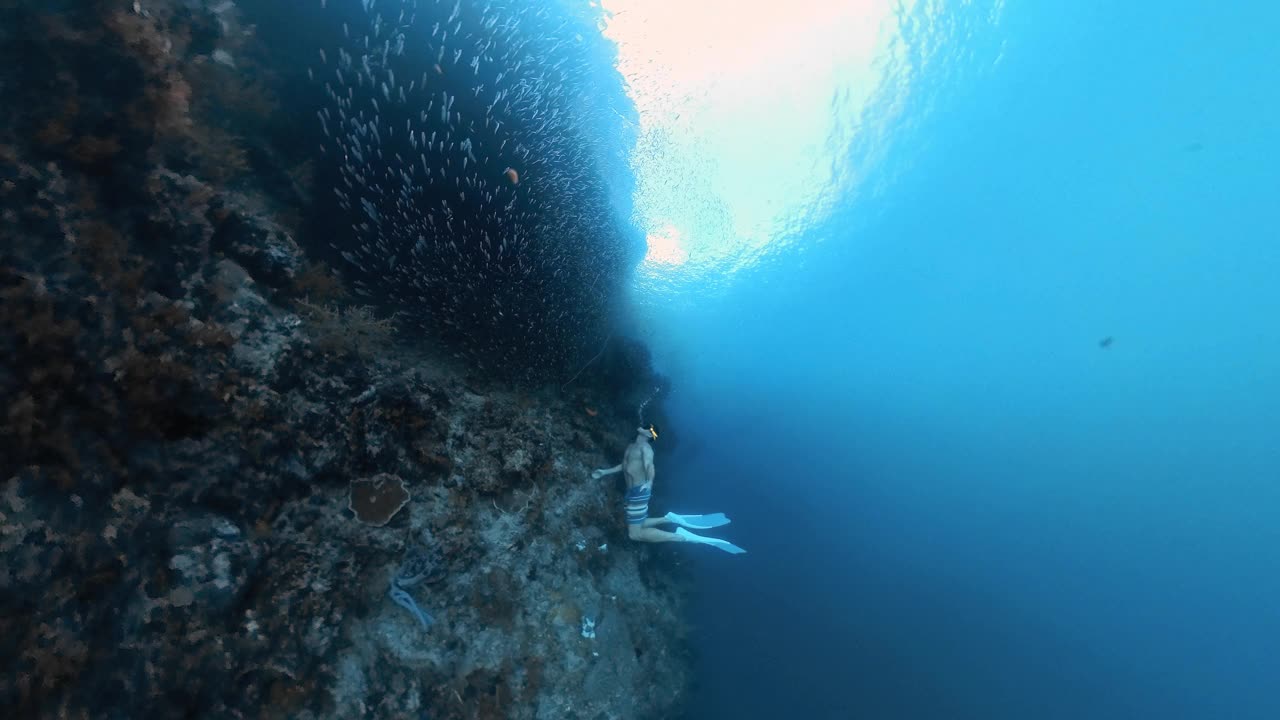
[{"x": 637, "y": 467}]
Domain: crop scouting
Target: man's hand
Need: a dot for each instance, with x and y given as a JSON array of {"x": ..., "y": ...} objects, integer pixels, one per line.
[{"x": 597, "y": 474}]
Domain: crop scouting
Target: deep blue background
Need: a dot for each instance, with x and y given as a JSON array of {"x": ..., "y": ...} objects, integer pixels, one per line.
[{"x": 958, "y": 505}]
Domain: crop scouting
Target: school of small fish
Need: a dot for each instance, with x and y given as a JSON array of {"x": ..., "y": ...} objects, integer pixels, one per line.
[{"x": 466, "y": 136}]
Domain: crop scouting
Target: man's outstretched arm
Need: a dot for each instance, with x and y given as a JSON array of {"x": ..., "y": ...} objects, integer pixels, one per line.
[{"x": 597, "y": 474}]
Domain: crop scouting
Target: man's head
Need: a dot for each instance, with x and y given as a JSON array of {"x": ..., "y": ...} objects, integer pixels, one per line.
[{"x": 647, "y": 433}]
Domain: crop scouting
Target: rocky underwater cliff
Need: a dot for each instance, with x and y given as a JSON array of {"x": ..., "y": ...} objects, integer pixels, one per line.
[{"x": 229, "y": 488}]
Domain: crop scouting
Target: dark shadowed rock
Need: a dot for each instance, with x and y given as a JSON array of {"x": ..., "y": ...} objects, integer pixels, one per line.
[
  {"x": 213, "y": 560},
  {"x": 256, "y": 242}
]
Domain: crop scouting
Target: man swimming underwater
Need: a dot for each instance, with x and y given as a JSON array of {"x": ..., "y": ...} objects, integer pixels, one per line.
[{"x": 637, "y": 466}]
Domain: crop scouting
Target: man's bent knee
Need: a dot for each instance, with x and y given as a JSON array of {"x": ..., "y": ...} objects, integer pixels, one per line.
[{"x": 635, "y": 532}]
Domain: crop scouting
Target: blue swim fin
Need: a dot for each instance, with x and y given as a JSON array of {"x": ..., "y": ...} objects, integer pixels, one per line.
[
  {"x": 724, "y": 545},
  {"x": 698, "y": 522}
]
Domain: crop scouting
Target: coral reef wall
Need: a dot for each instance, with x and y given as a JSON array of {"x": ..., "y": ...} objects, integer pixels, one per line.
[{"x": 227, "y": 491}]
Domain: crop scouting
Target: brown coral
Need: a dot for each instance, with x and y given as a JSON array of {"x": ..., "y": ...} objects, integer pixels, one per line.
[{"x": 377, "y": 499}]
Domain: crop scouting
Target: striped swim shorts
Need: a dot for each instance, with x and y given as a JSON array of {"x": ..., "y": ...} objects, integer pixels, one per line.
[{"x": 638, "y": 504}]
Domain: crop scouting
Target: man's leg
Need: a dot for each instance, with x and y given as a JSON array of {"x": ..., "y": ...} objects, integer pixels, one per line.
[
  {"x": 693, "y": 522},
  {"x": 640, "y": 526},
  {"x": 640, "y": 533},
  {"x": 646, "y": 533}
]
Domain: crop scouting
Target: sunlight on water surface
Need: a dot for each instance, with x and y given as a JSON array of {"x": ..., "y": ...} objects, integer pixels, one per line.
[{"x": 749, "y": 114}]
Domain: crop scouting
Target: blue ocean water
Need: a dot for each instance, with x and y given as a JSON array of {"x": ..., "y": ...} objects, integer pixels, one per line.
[{"x": 999, "y": 426}]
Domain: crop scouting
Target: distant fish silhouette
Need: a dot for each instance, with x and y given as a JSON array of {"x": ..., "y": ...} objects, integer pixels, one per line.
[{"x": 1105, "y": 342}]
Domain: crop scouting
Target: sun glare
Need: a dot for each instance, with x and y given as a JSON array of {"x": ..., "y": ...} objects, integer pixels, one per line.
[
  {"x": 745, "y": 114},
  {"x": 665, "y": 247}
]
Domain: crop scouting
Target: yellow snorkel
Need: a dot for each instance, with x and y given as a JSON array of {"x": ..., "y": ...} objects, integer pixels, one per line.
[{"x": 653, "y": 432}]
